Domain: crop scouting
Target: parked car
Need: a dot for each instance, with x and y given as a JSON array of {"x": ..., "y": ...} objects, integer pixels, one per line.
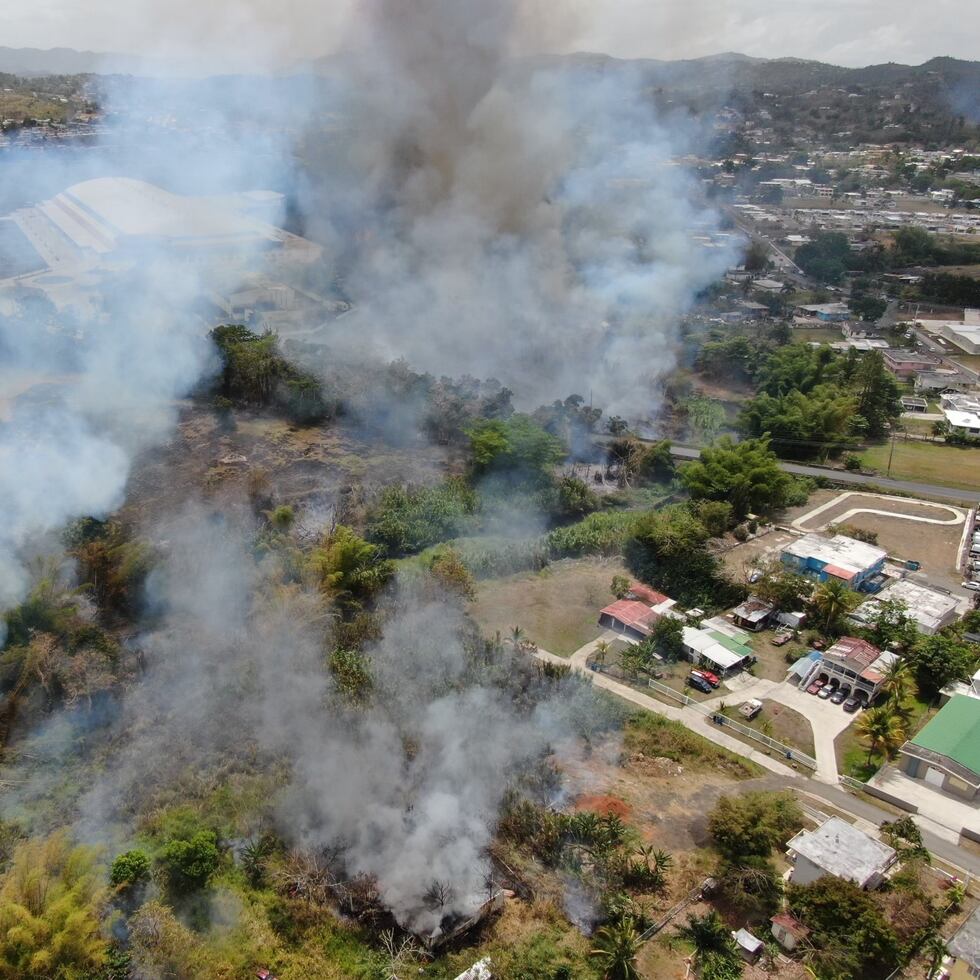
[
  {"x": 840, "y": 695},
  {"x": 699, "y": 683},
  {"x": 827, "y": 690},
  {"x": 754, "y": 577},
  {"x": 814, "y": 688},
  {"x": 749, "y": 709},
  {"x": 712, "y": 679},
  {"x": 782, "y": 637},
  {"x": 972, "y": 586},
  {"x": 854, "y": 702}
]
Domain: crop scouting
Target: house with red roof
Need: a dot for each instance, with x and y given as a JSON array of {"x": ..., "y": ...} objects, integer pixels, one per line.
[{"x": 635, "y": 614}]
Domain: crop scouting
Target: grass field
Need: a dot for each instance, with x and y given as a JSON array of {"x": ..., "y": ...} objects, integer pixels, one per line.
[
  {"x": 784, "y": 724},
  {"x": 852, "y": 753},
  {"x": 948, "y": 466},
  {"x": 558, "y": 607}
]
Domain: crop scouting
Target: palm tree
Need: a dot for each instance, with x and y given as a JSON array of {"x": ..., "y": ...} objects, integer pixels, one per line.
[
  {"x": 898, "y": 681},
  {"x": 616, "y": 947},
  {"x": 883, "y": 730},
  {"x": 711, "y": 938},
  {"x": 601, "y": 650},
  {"x": 832, "y": 601},
  {"x": 516, "y": 635},
  {"x": 935, "y": 948}
]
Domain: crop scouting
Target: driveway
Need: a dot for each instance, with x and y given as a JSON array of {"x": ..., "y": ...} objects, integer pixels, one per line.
[
  {"x": 827, "y": 721},
  {"x": 943, "y": 809}
]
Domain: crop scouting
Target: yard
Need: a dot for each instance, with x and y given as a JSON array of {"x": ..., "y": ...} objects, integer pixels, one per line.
[
  {"x": 778, "y": 722},
  {"x": 928, "y": 462},
  {"x": 557, "y": 608},
  {"x": 852, "y": 752}
]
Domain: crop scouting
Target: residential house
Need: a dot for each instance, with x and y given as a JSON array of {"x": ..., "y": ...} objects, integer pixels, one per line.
[
  {"x": 907, "y": 363},
  {"x": 932, "y": 609},
  {"x": 853, "y": 663},
  {"x": 635, "y": 614},
  {"x": 964, "y": 950},
  {"x": 971, "y": 690},
  {"x": 753, "y": 614},
  {"x": 826, "y": 312},
  {"x": 912, "y": 404},
  {"x": 943, "y": 381},
  {"x": 858, "y": 564},
  {"x": 838, "y": 848},
  {"x": 962, "y": 412},
  {"x": 788, "y": 931},
  {"x": 714, "y": 650},
  {"x": 946, "y": 752}
]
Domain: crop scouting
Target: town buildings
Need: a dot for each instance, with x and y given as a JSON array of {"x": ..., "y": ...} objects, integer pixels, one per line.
[
  {"x": 840, "y": 849},
  {"x": 930, "y": 608},
  {"x": 858, "y": 564}
]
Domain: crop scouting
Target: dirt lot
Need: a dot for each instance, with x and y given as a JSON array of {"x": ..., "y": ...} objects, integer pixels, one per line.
[
  {"x": 787, "y": 726},
  {"x": 739, "y": 561},
  {"x": 558, "y": 607}
]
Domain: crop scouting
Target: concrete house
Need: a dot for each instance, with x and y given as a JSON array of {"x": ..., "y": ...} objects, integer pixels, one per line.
[
  {"x": 714, "y": 650},
  {"x": 858, "y": 564},
  {"x": 964, "y": 950},
  {"x": 931, "y": 609},
  {"x": 946, "y": 753},
  {"x": 838, "y": 848},
  {"x": 852, "y": 663},
  {"x": 635, "y": 614}
]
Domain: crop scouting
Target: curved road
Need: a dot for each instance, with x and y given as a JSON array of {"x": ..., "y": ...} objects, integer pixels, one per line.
[{"x": 844, "y": 476}]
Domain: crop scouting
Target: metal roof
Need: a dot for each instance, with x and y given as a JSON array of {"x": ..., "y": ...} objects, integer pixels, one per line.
[{"x": 955, "y": 733}]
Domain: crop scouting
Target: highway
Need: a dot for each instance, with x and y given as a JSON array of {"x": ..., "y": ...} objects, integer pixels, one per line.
[{"x": 845, "y": 476}]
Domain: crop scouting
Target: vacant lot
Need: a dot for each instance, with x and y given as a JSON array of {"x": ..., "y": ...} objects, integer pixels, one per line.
[
  {"x": 558, "y": 607},
  {"x": 741, "y": 560},
  {"x": 927, "y": 462}
]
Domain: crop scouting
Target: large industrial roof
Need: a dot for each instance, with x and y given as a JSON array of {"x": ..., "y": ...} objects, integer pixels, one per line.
[{"x": 99, "y": 213}]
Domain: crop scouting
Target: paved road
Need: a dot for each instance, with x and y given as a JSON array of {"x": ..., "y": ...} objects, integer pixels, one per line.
[{"x": 843, "y": 476}]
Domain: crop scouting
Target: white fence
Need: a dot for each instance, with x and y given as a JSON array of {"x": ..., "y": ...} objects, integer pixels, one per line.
[{"x": 791, "y": 754}]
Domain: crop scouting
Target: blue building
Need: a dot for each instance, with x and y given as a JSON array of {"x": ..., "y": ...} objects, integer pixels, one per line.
[{"x": 858, "y": 565}]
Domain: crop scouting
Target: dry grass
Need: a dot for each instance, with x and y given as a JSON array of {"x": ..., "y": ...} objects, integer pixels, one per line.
[
  {"x": 927, "y": 462},
  {"x": 558, "y": 607}
]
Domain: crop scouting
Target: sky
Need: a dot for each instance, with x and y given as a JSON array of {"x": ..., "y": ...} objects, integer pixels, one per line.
[{"x": 238, "y": 34}]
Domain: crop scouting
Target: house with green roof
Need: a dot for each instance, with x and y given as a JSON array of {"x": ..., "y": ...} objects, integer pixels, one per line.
[{"x": 946, "y": 753}]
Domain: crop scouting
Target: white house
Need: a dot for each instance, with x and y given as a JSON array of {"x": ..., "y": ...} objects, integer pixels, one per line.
[{"x": 838, "y": 848}]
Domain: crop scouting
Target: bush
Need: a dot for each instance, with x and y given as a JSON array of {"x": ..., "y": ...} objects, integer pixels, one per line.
[
  {"x": 741, "y": 533},
  {"x": 130, "y": 868},
  {"x": 753, "y": 527},
  {"x": 408, "y": 519},
  {"x": 753, "y": 824},
  {"x": 602, "y": 533},
  {"x": 191, "y": 863},
  {"x": 852, "y": 462}
]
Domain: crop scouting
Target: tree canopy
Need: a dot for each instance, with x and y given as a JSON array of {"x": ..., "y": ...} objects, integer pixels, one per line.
[{"x": 745, "y": 474}]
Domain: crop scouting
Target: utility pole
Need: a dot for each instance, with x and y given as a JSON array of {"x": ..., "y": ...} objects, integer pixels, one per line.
[{"x": 891, "y": 454}]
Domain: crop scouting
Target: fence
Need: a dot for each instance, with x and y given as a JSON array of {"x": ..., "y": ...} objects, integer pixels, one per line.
[{"x": 794, "y": 755}]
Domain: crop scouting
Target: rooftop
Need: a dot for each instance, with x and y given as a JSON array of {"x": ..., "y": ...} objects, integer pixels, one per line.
[
  {"x": 632, "y": 613},
  {"x": 965, "y": 944},
  {"x": 858, "y": 654},
  {"x": 839, "y": 553},
  {"x": 643, "y": 593},
  {"x": 842, "y": 850},
  {"x": 791, "y": 924},
  {"x": 955, "y": 732},
  {"x": 709, "y": 645},
  {"x": 930, "y": 608},
  {"x": 753, "y": 609}
]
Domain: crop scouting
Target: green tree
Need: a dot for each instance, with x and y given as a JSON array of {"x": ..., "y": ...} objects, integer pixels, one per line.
[
  {"x": 878, "y": 394},
  {"x": 407, "y": 520},
  {"x": 715, "y": 515},
  {"x": 882, "y": 730},
  {"x": 889, "y": 626},
  {"x": 449, "y": 569},
  {"x": 850, "y": 935},
  {"x": 667, "y": 637},
  {"x": 752, "y": 824},
  {"x": 620, "y": 586},
  {"x": 714, "y": 948},
  {"x": 745, "y": 474},
  {"x": 939, "y": 660},
  {"x": 785, "y": 589},
  {"x": 129, "y": 868},
  {"x": 831, "y": 602},
  {"x": 517, "y": 445},
  {"x": 346, "y": 567},
  {"x": 616, "y": 947},
  {"x": 191, "y": 863},
  {"x": 51, "y": 902}
]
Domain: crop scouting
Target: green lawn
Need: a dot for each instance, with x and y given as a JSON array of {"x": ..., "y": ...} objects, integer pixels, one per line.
[
  {"x": 852, "y": 753},
  {"x": 949, "y": 466},
  {"x": 784, "y": 724}
]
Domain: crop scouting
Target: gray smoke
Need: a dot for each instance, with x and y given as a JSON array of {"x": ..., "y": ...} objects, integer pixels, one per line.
[
  {"x": 408, "y": 789},
  {"x": 511, "y": 219}
]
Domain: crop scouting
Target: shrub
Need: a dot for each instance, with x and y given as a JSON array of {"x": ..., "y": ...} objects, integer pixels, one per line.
[
  {"x": 852, "y": 462},
  {"x": 129, "y": 868},
  {"x": 191, "y": 863},
  {"x": 741, "y": 533}
]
